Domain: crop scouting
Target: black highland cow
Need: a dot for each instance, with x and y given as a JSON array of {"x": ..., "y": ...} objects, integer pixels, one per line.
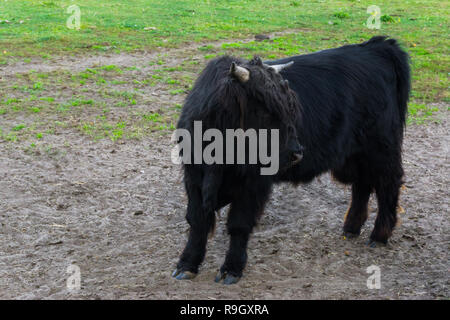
[{"x": 342, "y": 109}]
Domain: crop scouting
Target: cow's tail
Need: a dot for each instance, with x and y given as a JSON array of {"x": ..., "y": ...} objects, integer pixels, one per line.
[{"x": 400, "y": 60}]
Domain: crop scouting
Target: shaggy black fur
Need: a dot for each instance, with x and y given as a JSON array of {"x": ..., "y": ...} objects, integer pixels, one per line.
[{"x": 346, "y": 107}]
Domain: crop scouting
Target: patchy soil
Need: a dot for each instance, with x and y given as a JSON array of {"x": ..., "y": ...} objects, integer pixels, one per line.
[
  {"x": 116, "y": 210},
  {"x": 76, "y": 63},
  {"x": 105, "y": 95}
]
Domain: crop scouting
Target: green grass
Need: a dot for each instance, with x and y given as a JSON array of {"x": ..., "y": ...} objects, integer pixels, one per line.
[
  {"x": 110, "y": 102},
  {"x": 38, "y": 29},
  {"x": 420, "y": 113}
]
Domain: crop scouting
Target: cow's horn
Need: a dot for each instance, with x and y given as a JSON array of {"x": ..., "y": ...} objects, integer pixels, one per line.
[
  {"x": 279, "y": 67},
  {"x": 240, "y": 73}
]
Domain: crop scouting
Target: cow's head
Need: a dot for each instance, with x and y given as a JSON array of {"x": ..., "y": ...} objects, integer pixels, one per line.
[{"x": 267, "y": 102}]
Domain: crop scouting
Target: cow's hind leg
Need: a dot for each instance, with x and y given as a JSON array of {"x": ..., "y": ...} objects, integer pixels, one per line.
[
  {"x": 243, "y": 216},
  {"x": 387, "y": 190},
  {"x": 355, "y": 173}
]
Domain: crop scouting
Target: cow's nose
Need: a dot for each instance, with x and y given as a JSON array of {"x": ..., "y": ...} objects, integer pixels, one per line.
[{"x": 296, "y": 157}]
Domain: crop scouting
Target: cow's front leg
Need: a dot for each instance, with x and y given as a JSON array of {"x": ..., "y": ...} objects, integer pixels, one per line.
[
  {"x": 202, "y": 199},
  {"x": 194, "y": 252},
  {"x": 242, "y": 217}
]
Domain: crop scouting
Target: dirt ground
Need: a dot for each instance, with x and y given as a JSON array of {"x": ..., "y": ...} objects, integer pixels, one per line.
[{"x": 116, "y": 210}]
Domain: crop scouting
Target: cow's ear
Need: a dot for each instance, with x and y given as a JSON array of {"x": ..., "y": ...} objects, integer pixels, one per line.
[
  {"x": 285, "y": 84},
  {"x": 240, "y": 73},
  {"x": 257, "y": 61}
]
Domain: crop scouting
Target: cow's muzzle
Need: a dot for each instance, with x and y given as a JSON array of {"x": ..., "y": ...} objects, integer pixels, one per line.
[{"x": 296, "y": 158}]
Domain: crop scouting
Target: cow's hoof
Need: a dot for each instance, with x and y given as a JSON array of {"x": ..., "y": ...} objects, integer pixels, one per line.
[
  {"x": 373, "y": 243},
  {"x": 227, "y": 278},
  {"x": 183, "y": 275},
  {"x": 350, "y": 235}
]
